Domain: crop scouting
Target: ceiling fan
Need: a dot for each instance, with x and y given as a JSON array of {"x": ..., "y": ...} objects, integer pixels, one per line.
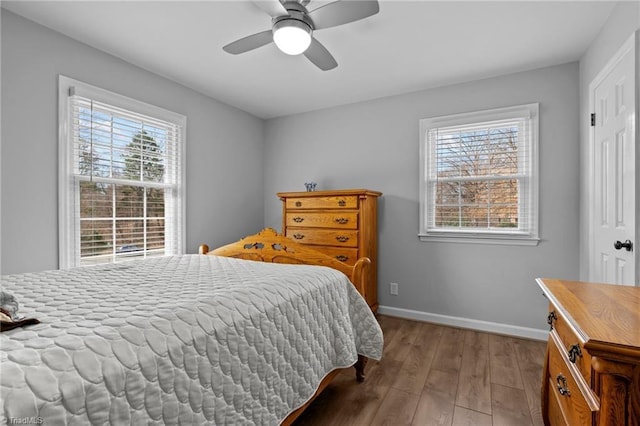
[{"x": 293, "y": 26}]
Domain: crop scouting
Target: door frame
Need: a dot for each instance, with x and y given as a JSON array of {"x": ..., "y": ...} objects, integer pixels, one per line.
[{"x": 630, "y": 45}]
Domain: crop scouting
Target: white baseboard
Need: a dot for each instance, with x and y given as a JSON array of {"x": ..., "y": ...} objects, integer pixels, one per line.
[{"x": 492, "y": 327}]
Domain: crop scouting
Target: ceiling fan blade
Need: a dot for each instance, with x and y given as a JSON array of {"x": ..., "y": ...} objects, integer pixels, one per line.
[
  {"x": 249, "y": 43},
  {"x": 342, "y": 12},
  {"x": 320, "y": 56},
  {"x": 273, "y": 7}
]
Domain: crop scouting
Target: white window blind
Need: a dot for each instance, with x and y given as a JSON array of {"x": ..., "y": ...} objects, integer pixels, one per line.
[
  {"x": 479, "y": 176},
  {"x": 121, "y": 178}
]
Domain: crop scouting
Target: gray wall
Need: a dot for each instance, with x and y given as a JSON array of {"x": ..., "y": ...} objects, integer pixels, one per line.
[
  {"x": 374, "y": 145},
  {"x": 621, "y": 24},
  {"x": 223, "y": 157}
]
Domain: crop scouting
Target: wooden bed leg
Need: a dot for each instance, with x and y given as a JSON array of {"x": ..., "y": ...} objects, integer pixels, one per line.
[{"x": 359, "y": 366}]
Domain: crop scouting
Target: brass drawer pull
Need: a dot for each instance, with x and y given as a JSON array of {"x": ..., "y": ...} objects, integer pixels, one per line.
[
  {"x": 298, "y": 219},
  {"x": 342, "y": 238},
  {"x": 574, "y": 353},
  {"x": 562, "y": 385},
  {"x": 342, "y": 203},
  {"x": 341, "y": 220},
  {"x": 550, "y": 318},
  {"x": 298, "y": 236},
  {"x": 298, "y": 203},
  {"x": 342, "y": 258}
]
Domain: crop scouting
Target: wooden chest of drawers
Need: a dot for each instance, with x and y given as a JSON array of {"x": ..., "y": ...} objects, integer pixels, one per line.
[
  {"x": 592, "y": 367},
  {"x": 341, "y": 223}
]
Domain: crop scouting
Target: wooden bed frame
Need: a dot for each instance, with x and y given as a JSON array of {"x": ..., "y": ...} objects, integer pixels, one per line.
[{"x": 269, "y": 246}]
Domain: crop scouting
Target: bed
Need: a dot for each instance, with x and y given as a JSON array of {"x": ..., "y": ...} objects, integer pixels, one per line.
[{"x": 248, "y": 333}]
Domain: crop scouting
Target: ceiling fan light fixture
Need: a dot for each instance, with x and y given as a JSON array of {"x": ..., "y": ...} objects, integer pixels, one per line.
[{"x": 292, "y": 36}]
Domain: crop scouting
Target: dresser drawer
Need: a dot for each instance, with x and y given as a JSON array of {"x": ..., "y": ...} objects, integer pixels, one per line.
[
  {"x": 338, "y": 220},
  {"x": 572, "y": 345},
  {"x": 563, "y": 386},
  {"x": 329, "y": 202},
  {"x": 343, "y": 254},
  {"x": 324, "y": 237},
  {"x": 554, "y": 410}
]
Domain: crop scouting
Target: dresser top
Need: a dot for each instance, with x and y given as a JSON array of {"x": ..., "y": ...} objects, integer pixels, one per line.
[
  {"x": 605, "y": 316},
  {"x": 331, "y": 193}
]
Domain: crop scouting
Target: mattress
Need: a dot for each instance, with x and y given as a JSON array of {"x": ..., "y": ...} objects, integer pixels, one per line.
[{"x": 179, "y": 340}]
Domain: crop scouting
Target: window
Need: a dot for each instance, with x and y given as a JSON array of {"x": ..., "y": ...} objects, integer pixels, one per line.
[
  {"x": 479, "y": 176},
  {"x": 121, "y": 184}
]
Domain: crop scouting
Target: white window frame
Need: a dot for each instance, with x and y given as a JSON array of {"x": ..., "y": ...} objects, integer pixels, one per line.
[
  {"x": 68, "y": 195},
  {"x": 528, "y": 194}
]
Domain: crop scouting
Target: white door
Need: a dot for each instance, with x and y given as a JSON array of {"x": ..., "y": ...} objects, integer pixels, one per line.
[{"x": 614, "y": 163}]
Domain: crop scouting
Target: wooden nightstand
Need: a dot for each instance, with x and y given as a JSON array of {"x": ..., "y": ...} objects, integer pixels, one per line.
[{"x": 592, "y": 368}]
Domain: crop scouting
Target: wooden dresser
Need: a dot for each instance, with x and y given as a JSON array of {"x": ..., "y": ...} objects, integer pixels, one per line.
[
  {"x": 592, "y": 368},
  {"x": 341, "y": 223}
]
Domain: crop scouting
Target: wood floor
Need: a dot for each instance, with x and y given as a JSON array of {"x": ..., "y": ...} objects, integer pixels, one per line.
[{"x": 437, "y": 375}]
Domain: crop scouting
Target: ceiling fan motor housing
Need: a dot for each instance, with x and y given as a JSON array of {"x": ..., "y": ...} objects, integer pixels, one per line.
[
  {"x": 292, "y": 32},
  {"x": 296, "y": 12}
]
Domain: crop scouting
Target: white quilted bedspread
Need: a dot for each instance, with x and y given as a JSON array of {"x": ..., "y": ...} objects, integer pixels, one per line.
[{"x": 180, "y": 340}]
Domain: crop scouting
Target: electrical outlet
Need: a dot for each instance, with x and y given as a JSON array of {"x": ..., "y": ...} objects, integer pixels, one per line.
[{"x": 393, "y": 289}]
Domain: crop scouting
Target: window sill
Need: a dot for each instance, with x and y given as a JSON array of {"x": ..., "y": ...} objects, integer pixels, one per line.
[{"x": 499, "y": 239}]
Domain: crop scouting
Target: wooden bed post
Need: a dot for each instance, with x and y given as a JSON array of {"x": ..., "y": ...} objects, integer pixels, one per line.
[{"x": 360, "y": 366}]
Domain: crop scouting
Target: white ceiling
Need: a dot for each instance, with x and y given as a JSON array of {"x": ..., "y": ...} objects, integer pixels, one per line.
[{"x": 407, "y": 46}]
